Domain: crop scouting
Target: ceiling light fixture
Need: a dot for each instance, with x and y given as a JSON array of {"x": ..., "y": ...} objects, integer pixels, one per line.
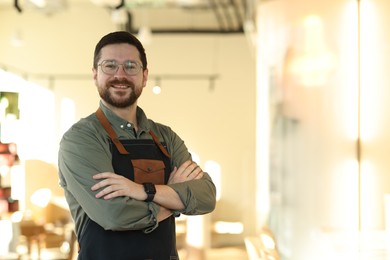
[
  {"x": 145, "y": 35},
  {"x": 157, "y": 87},
  {"x": 39, "y": 3}
]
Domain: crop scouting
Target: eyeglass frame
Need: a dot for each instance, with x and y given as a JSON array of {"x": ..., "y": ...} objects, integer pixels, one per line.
[{"x": 140, "y": 67}]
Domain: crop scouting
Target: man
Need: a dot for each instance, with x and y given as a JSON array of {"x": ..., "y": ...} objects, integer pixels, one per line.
[{"x": 125, "y": 176}]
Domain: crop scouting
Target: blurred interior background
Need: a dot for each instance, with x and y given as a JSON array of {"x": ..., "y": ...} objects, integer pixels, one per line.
[{"x": 283, "y": 102}]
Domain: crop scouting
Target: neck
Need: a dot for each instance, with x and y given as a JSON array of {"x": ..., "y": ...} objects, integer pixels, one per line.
[{"x": 128, "y": 113}]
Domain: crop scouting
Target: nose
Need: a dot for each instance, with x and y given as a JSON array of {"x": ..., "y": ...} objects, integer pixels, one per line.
[{"x": 120, "y": 70}]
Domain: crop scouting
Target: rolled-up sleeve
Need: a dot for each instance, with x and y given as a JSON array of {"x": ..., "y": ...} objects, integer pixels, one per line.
[
  {"x": 198, "y": 196},
  {"x": 84, "y": 153}
]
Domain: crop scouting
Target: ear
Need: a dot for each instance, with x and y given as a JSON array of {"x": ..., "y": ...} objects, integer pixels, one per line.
[
  {"x": 94, "y": 74},
  {"x": 145, "y": 78}
]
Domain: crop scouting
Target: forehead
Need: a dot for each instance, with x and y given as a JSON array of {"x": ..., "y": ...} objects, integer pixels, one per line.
[{"x": 120, "y": 52}]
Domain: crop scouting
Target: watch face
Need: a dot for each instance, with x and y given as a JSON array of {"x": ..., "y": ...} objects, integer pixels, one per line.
[{"x": 149, "y": 188}]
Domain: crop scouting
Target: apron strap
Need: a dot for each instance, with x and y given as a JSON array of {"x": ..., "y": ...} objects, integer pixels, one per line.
[
  {"x": 107, "y": 126},
  {"x": 162, "y": 148},
  {"x": 122, "y": 150}
]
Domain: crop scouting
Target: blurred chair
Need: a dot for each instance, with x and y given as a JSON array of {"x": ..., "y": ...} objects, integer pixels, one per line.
[
  {"x": 262, "y": 247},
  {"x": 34, "y": 235},
  {"x": 48, "y": 243},
  {"x": 253, "y": 245}
]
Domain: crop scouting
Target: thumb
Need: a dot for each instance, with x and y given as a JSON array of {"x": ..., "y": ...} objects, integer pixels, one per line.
[{"x": 173, "y": 173}]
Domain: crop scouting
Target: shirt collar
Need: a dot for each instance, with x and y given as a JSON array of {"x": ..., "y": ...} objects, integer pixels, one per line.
[{"x": 143, "y": 123}]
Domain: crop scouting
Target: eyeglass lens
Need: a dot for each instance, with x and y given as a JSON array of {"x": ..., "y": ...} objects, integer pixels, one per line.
[{"x": 112, "y": 66}]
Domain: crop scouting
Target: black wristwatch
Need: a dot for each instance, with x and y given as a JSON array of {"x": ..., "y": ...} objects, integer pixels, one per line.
[{"x": 150, "y": 191}]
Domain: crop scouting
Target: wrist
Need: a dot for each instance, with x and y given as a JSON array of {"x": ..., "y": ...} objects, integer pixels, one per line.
[{"x": 150, "y": 191}]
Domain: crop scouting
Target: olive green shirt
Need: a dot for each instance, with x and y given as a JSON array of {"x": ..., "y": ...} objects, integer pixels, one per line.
[{"x": 85, "y": 151}]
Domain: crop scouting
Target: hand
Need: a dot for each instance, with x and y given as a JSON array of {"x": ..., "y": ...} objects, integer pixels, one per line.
[
  {"x": 163, "y": 213},
  {"x": 114, "y": 185},
  {"x": 189, "y": 170}
]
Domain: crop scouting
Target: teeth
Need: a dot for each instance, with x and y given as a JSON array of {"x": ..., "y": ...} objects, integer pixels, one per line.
[{"x": 120, "y": 86}]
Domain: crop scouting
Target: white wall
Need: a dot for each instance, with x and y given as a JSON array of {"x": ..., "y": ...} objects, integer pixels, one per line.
[
  {"x": 217, "y": 124},
  {"x": 314, "y": 167}
]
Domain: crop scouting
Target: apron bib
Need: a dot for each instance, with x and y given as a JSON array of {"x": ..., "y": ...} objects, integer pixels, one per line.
[{"x": 141, "y": 160}]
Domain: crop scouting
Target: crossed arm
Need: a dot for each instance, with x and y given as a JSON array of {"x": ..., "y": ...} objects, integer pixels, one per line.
[{"x": 112, "y": 185}]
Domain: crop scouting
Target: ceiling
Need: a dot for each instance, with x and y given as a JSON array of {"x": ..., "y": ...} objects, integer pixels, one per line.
[{"x": 159, "y": 16}]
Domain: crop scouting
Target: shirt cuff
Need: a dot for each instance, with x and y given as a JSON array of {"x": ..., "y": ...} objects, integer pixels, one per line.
[
  {"x": 154, "y": 209},
  {"x": 186, "y": 196}
]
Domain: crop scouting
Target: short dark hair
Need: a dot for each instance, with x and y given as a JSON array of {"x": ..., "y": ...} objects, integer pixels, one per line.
[{"x": 119, "y": 37}]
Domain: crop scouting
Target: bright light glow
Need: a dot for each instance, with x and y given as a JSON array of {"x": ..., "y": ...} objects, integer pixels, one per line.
[
  {"x": 370, "y": 107},
  {"x": 60, "y": 201},
  {"x": 214, "y": 170},
  {"x": 262, "y": 133},
  {"x": 195, "y": 231},
  {"x": 39, "y": 3},
  {"x": 10, "y": 129},
  {"x": 6, "y": 236},
  {"x": 22, "y": 249},
  {"x": 119, "y": 16},
  {"x": 4, "y": 170},
  {"x": 17, "y": 39},
  {"x": 253, "y": 247},
  {"x": 4, "y": 103},
  {"x": 156, "y": 90},
  {"x": 17, "y": 216},
  {"x": 12, "y": 82},
  {"x": 316, "y": 62},
  {"x": 18, "y": 184},
  {"x": 145, "y": 35},
  {"x": 112, "y": 3},
  {"x": 65, "y": 247},
  {"x": 223, "y": 227},
  {"x": 345, "y": 194},
  {"x": 349, "y": 69},
  {"x": 68, "y": 114},
  {"x": 268, "y": 241},
  {"x": 369, "y": 203},
  {"x": 41, "y": 197},
  {"x": 387, "y": 214},
  {"x": 195, "y": 157},
  {"x": 37, "y": 113}
]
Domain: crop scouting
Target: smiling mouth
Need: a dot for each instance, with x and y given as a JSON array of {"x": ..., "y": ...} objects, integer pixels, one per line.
[{"x": 120, "y": 86}]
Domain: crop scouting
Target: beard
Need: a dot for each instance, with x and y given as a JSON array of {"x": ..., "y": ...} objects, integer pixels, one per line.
[{"x": 126, "y": 100}]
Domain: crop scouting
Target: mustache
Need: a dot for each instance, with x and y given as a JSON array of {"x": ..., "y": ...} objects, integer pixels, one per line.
[{"x": 121, "y": 82}]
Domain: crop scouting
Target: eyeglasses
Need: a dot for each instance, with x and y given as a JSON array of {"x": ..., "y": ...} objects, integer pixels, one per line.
[{"x": 111, "y": 67}]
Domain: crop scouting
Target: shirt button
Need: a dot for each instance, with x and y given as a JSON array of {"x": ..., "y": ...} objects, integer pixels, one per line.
[
  {"x": 122, "y": 126},
  {"x": 128, "y": 125}
]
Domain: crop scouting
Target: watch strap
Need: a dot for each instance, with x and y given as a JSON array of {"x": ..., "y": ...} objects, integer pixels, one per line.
[{"x": 150, "y": 191}]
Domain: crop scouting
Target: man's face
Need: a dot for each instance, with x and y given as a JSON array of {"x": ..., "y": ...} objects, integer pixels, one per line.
[{"x": 119, "y": 89}]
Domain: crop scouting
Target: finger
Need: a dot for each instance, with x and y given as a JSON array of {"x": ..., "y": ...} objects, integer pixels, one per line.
[
  {"x": 99, "y": 185},
  {"x": 193, "y": 169},
  {"x": 104, "y": 183},
  {"x": 114, "y": 194},
  {"x": 187, "y": 171},
  {"x": 199, "y": 175},
  {"x": 171, "y": 176},
  {"x": 103, "y": 175},
  {"x": 184, "y": 166},
  {"x": 103, "y": 192},
  {"x": 111, "y": 191}
]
